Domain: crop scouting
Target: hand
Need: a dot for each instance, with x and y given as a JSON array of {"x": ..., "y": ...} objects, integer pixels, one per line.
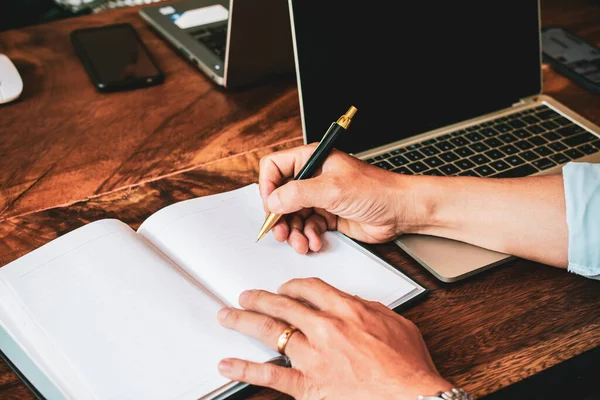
[
  {"x": 356, "y": 198},
  {"x": 346, "y": 347}
]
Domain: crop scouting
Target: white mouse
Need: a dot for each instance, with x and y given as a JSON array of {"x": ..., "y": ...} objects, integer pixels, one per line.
[{"x": 11, "y": 84}]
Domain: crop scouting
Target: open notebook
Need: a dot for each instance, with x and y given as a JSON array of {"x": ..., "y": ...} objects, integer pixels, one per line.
[{"x": 105, "y": 312}]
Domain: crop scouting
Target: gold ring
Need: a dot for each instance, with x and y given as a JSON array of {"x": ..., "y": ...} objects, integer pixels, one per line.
[{"x": 284, "y": 338}]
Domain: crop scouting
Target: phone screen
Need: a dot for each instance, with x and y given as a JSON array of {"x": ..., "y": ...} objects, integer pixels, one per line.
[
  {"x": 572, "y": 52},
  {"x": 114, "y": 54}
]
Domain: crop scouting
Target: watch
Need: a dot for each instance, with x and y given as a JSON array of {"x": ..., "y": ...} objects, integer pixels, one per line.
[{"x": 452, "y": 394}]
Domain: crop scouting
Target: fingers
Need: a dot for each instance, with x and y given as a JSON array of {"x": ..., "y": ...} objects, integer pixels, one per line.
[
  {"x": 264, "y": 328},
  {"x": 314, "y": 227},
  {"x": 297, "y": 239},
  {"x": 316, "y": 292},
  {"x": 276, "y": 168},
  {"x": 307, "y": 193},
  {"x": 279, "y": 307},
  {"x": 286, "y": 380}
]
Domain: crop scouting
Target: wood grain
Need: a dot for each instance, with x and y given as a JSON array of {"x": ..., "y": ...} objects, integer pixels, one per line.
[{"x": 63, "y": 141}]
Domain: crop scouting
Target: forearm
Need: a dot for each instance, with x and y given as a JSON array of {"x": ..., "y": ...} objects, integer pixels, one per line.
[{"x": 524, "y": 217}]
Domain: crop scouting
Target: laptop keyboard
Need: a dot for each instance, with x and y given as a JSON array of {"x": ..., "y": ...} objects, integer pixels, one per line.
[
  {"x": 515, "y": 145},
  {"x": 214, "y": 37}
]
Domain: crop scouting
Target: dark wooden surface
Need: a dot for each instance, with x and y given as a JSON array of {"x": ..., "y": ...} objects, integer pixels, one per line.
[{"x": 69, "y": 156}]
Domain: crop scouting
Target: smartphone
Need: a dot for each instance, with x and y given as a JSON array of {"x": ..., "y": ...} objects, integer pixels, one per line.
[
  {"x": 572, "y": 56},
  {"x": 115, "y": 57}
]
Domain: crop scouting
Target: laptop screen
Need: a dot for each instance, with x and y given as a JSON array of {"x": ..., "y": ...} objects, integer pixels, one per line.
[{"x": 413, "y": 67}]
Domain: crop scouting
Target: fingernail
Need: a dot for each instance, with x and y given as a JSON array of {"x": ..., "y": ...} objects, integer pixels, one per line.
[
  {"x": 273, "y": 202},
  {"x": 244, "y": 296},
  {"x": 222, "y": 314},
  {"x": 225, "y": 366}
]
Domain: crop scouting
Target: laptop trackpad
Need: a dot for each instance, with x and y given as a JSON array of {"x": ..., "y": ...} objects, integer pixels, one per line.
[{"x": 447, "y": 259}]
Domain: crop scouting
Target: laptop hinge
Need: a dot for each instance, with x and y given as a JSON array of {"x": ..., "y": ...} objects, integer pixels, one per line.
[{"x": 525, "y": 100}]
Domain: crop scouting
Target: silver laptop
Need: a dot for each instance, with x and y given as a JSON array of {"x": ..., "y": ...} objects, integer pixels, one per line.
[
  {"x": 443, "y": 88},
  {"x": 234, "y": 42}
]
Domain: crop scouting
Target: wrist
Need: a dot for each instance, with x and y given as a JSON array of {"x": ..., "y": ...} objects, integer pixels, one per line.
[{"x": 427, "y": 205}]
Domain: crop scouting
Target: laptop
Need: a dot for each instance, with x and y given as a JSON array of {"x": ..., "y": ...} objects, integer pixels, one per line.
[
  {"x": 234, "y": 42},
  {"x": 443, "y": 88}
]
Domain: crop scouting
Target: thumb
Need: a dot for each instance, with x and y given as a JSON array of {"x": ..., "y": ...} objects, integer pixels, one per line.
[{"x": 299, "y": 194}]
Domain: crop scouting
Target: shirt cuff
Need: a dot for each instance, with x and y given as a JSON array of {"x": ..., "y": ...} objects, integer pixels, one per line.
[{"x": 582, "y": 197}]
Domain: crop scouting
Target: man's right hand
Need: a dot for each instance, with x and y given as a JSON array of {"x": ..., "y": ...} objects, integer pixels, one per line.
[{"x": 360, "y": 200}]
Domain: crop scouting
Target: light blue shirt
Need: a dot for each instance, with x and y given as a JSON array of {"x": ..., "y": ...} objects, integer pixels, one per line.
[{"x": 582, "y": 196}]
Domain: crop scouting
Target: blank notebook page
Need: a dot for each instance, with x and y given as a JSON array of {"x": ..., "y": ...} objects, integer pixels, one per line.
[
  {"x": 118, "y": 320},
  {"x": 213, "y": 238}
]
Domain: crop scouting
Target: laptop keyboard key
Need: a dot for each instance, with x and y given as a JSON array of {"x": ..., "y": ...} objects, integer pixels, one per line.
[
  {"x": 581, "y": 138},
  {"x": 516, "y": 123},
  {"x": 463, "y": 152},
  {"x": 530, "y": 119},
  {"x": 549, "y": 125},
  {"x": 524, "y": 145},
  {"x": 403, "y": 170},
  {"x": 464, "y": 164},
  {"x": 499, "y": 165},
  {"x": 495, "y": 154},
  {"x": 414, "y": 146},
  {"x": 503, "y": 128},
  {"x": 449, "y": 169},
  {"x": 449, "y": 156},
  {"x": 433, "y": 172},
  {"x": 493, "y": 142},
  {"x": 543, "y": 151},
  {"x": 521, "y": 171},
  {"x": 479, "y": 147},
  {"x": 429, "y": 151},
  {"x": 489, "y": 132},
  {"x": 445, "y": 146},
  {"x": 508, "y": 138},
  {"x": 484, "y": 170},
  {"x": 514, "y": 160},
  {"x": 536, "y": 129},
  {"x": 418, "y": 167},
  {"x": 459, "y": 141},
  {"x": 588, "y": 149},
  {"x": 543, "y": 163},
  {"x": 480, "y": 159},
  {"x": 551, "y": 136},
  {"x": 384, "y": 164},
  {"x": 529, "y": 155},
  {"x": 433, "y": 161},
  {"x": 596, "y": 144},
  {"x": 547, "y": 114},
  {"x": 414, "y": 155},
  {"x": 509, "y": 149},
  {"x": 538, "y": 140},
  {"x": 557, "y": 146},
  {"x": 469, "y": 173},
  {"x": 380, "y": 157},
  {"x": 398, "y": 151},
  {"x": 560, "y": 158},
  {"x": 569, "y": 130},
  {"x": 474, "y": 137},
  {"x": 574, "y": 154},
  {"x": 398, "y": 161},
  {"x": 562, "y": 121}
]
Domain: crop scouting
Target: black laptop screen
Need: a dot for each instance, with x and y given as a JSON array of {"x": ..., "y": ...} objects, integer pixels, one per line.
[{"x": 413, "y": 67}]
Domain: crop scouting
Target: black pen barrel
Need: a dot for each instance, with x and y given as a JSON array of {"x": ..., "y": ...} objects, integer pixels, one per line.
[{"x": 321, "y": 152}]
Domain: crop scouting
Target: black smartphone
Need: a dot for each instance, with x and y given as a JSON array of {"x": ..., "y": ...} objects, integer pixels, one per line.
[
  {"x": 572, "y": 56},
  {"x": 115, "y": 57}
]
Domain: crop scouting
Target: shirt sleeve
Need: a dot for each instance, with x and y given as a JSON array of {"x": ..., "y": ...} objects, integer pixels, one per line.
[{"x": 582, "y": 197}]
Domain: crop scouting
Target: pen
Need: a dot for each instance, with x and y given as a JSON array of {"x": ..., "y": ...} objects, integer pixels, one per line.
[{"x": 315, "y": 160}]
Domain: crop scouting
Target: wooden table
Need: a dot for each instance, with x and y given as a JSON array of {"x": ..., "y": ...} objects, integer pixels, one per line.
[{"x": 69, "y": 156}]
